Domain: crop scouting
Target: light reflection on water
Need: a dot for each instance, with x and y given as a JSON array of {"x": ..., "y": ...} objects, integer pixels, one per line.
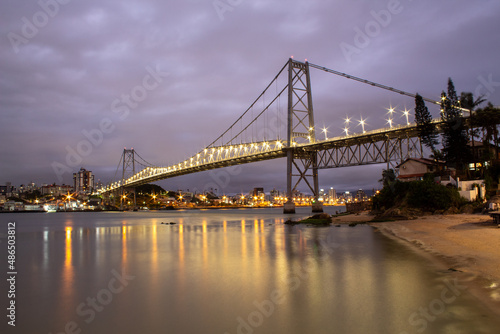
[{"x": 231, "y": 271}]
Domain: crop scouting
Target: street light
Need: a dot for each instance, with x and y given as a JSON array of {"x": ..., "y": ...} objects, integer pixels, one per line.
[
  {"x": 325, "y": 132},
  {"x": 347, "y": 120},
  {"x": 406, "y": 113},
  {"x": 391, "y": 111},
  {"x": 362, "y": 123},
  {"x": 389, "y": 120},
  {"x": 68, "y": 198}
]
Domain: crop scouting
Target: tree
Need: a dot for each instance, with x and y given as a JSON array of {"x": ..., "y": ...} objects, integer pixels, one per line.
[
  {"x": 487, "y": 120},
  {"x": 426, "y": 129},
  {"x": 468, "y": 101},
  {"x": 455, "y": 136},
  {"x": 388, "y": 177},
  {"x": 150, "y": 189}
]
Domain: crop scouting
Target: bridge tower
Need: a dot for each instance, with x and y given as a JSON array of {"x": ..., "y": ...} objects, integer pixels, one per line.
[
  {"x": 128, "y": 170},
  {"x": 301, "y": 163}
]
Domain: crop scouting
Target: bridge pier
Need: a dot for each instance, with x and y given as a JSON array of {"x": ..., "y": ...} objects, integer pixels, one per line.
[
  {"x": 289, "y": 207},
  {"x": 317, "y": 207}
]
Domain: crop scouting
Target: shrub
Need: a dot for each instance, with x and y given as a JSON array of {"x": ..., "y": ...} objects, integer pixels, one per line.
[{"x": 425, "y": 195}]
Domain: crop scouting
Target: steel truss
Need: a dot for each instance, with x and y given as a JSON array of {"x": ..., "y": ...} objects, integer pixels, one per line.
[
  {"x": 390, "y": 150},
  {"x": 301, "y": 130},
  {"x": 128, "y": 159}
]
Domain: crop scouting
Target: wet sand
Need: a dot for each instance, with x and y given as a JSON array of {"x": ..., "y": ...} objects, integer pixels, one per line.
[{"x": 466, "y": 244}]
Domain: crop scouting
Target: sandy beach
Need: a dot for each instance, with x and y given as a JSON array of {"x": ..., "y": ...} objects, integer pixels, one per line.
[{"x": 468, "y": 245}]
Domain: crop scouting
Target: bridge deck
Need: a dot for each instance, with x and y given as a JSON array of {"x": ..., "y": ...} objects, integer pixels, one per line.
[{"x": 360, "y": 148}]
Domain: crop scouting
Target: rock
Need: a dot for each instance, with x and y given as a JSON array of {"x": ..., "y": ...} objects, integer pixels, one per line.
[
  {"x": 467, "y": 209},
  {"x": 451, "y": 211},
  {"x": 321, "y": 216}
]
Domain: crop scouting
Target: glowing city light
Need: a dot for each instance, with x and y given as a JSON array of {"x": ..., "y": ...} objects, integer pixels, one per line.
[
  {"x": 390, "y": 122},
  {"x": 347, "y": 120},
  {"x": 406, "y": 113},
  {"x": 362, "y": 123},
  {"x": 391, "y": 111}
]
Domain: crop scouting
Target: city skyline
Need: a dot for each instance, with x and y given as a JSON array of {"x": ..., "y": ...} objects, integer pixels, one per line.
[{"x": 73, "y": 76}]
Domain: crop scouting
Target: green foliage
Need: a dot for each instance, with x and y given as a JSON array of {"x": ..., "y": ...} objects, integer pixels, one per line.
[
  {"x": 388, "y": 177},
  {"x": 433, "y": 196},
  {"x": 33, "y": 195},
  {"x": 492, "y": 177},
  {"x": 17, "y": 199},
  {"x": 426, "y": 129},
  {"x": 425, "y": 195},
  {"x": 455, "y": 137},
  {"x": 150, "y": 189},
  {"x": 487, "y": 119},
  {"x": 391, "y": 195}
]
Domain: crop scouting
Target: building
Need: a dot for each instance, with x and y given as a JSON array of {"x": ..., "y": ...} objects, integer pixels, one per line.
[
  {"x": 6, "y": 190},
  {"x": 332, "y": 195},
  {"x": 83, "y": 181},
  {"x": 347, "y": 196},
  {"x": 361, "y": 195},
  {"x": 483, "y": 154},
  {"x": 413, "y": 169},
  {"x": 56, "y": 190},
  {"x": 257, "y": 192}
]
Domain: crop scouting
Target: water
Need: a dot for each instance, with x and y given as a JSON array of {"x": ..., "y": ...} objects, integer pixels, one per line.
[{"x": 225, "y": 271}]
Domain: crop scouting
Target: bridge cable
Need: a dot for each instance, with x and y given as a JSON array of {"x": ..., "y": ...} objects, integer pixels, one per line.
[
  {"x": 118, "y": 167},
  {"x": 146, "y": 164},
  {"x": 371, "y": 83},
  {"x": 260, "y": 114},
  {"x": 251, "y": 106}
]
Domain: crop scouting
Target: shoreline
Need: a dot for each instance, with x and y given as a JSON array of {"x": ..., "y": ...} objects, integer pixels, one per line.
[{"x": 468, "y": 245}]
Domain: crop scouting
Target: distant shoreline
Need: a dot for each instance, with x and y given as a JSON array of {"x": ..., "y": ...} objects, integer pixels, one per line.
[{"x": 163, "y": 210}]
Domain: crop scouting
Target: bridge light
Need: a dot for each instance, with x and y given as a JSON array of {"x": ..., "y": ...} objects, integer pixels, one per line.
[
  {"x": 391, "y": 111},
  {"x": 325, "y": 131},
  {"x": 362, "y": 123},
  {"x": 390, "y": 122},
  {"x": 406, "y": 113}
]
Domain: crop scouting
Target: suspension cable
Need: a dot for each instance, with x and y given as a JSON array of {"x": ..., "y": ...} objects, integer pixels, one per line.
[
  {"x": 371, "y": 83},
  {"x": 251, "y": 106}
]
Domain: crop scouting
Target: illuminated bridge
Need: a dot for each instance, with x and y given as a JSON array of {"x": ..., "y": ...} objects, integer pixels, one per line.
[{"x": 262, "y": 132}]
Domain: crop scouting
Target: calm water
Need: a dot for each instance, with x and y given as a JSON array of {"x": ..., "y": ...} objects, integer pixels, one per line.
[{"x": 226, "y": 271}]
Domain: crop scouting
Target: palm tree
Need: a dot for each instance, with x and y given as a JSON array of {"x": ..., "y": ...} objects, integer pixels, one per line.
[
  {"x": 468, "y": 101},
  {"x": 487, "y": 119}
]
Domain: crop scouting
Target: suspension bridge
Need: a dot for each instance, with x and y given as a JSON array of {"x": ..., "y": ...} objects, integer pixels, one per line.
[{"x": 264, "y": 132}]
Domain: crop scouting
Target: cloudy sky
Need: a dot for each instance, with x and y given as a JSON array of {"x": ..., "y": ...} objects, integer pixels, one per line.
[{"x": 66, "y": 66}]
